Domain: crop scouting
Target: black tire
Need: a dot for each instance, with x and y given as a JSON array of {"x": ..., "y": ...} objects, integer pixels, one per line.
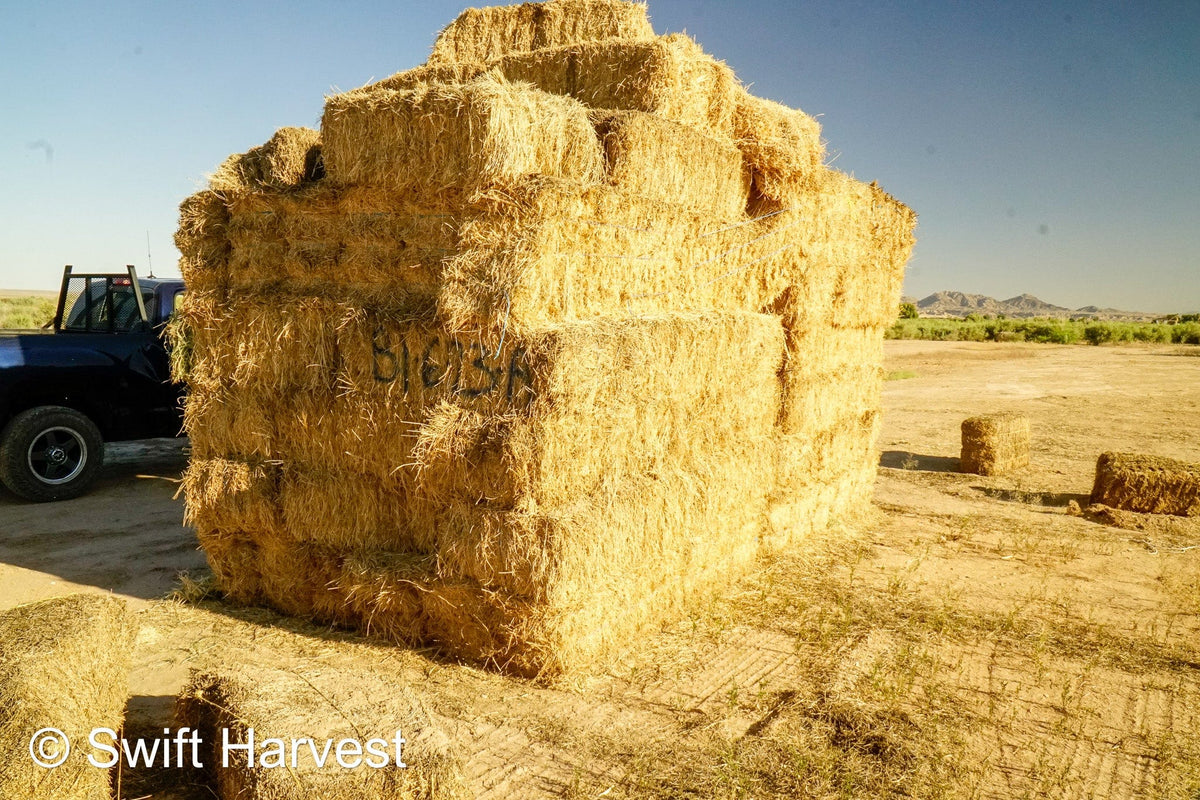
[{"x": 50, "y": 453}]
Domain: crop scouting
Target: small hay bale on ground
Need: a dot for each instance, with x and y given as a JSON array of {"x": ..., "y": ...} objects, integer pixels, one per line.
[
  {"x": 470, "y": 136},
  {"x": 64, "y": 664},
  {"x": 288, "y": 159},
  {"x": 1147, "y": 484},
  {"x": 323, "y": 704},
  {"x": 482, "y": 34},
  {"x": 994, "y": 444}
]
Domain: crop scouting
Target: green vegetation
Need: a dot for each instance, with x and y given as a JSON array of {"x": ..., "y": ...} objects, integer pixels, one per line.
[
  {"x": 900, "y": 375},
  {"x": 1052, "y": 331},
  {"x": 909, "y": 311},
  {"x": 25, "y": 312}
]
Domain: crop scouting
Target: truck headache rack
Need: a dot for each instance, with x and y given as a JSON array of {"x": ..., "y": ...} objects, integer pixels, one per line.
[{"x": 95, "y": 302}]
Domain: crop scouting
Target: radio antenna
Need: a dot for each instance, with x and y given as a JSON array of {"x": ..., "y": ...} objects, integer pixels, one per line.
[{"x": 149, "y": 263}]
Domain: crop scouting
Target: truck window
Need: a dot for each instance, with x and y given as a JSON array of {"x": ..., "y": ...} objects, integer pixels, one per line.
[{"x": 92, "y": 310}]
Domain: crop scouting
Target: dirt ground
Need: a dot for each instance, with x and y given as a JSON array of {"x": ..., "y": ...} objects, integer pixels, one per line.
[{"x": 968, "y": 637}]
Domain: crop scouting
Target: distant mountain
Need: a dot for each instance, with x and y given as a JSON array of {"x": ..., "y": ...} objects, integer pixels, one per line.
[{"x": 1024, "y": 306}]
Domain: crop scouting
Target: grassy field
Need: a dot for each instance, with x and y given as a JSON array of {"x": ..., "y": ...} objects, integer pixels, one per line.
[
  {"x": 1046, "y": 331},
  {"x": 25, "y": 312}
]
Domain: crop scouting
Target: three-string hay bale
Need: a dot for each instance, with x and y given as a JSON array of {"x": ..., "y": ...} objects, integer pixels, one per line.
[
  {"x": 358, "y": 714},
  {"x": 669, "y": 76},
  {"x": 288, "y": 159},
  {"x": 782, "y": 146},
  {"x": 994, "y": 444},
  {"x": 64, "y": 664},
  {"x": 203, "y": 241},
  {"x": 654, "y": 157},
  {"x": 469, "y": 136},
  {"x": 483, "y": 34},
  {"x": 388, "y": 249},
  {"x": 1147, "y": 484},
  {"x": 822, "y": 476}
]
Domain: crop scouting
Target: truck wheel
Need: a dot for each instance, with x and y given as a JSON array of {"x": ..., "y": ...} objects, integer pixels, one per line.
[{"x": 50, "y": 453}]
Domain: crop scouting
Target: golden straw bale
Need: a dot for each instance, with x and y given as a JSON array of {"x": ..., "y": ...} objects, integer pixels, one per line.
[
  {"x": 816, "y": 400},
  {"x": 288, "y": 159},
  {"x": 546, "y": 251},
  {"x": 994, "y": 444},
  {"x": 483, "y": 34},
  {"x": 256, "y": 343},
  {"x": 236, "y": 562},
  {"x": 669, "y": 76},
  {"x": 259, "y": 701},
  {"x": 467, "y": 136},
  {"x": 426, "y": 74},
  {"x": 231, "y": 421},
  {"x": 822, "y": 477},
  {"x": 203, "y": 241},
  {"x": 64, "y": 664},
  {"x": 782, "y": 146},
  {"x": 1147, "y": 484},
  {"x": 656, "y": 158},
  {"x": 232, "y": 494},
  {"x": 313, "y": 241}
]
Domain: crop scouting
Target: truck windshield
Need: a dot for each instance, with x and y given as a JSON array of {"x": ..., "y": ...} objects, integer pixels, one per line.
[{"x": 102, "y": 304}]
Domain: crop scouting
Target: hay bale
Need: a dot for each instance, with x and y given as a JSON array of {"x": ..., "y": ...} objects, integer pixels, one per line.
[
  {"x": 656, "y": 158},
  {"x": 782, "y": 146},
  {"x": 290, "y": 158},
  {"x": 1147, "y": 484},
  {"x": 994, "y": 444},
  {"x": 64, "y": 664},
  {"x": 483, "y": 34},
  {"x": 468, "y": 136},
  {"x": 669, "y": 76},
  {"x": 324, "y": 704},
  {"x": 203, "y": 241}
]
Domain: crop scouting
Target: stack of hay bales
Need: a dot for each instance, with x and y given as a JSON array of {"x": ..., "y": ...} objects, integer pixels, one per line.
[
  {"x": 64, "y": 665},
  {"x": 994, "y": 444},
  {"x": 568, "y": 328}
]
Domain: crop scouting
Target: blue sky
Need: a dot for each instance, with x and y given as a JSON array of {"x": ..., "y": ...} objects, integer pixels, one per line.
[{"x": 1051, "y": 148}]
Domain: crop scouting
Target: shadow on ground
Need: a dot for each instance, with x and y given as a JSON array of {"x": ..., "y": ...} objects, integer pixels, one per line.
[
  {"x": 1034, "y": 498},
  {"x": 902, "y": 459}
]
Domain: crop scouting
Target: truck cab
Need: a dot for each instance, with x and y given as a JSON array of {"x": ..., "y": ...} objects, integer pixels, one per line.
[{"x": 100, "y": 374}]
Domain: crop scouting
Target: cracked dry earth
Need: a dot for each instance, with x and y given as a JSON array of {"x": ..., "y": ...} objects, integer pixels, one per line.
[{"x": 967, "y": 637}]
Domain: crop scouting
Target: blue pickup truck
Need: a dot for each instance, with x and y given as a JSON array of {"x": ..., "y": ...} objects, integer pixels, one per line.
[{"x": 100, "y": 374}]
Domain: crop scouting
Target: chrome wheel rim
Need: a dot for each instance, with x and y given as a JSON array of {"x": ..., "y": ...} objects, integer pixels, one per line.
[{"x": 57, "y": 456}]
